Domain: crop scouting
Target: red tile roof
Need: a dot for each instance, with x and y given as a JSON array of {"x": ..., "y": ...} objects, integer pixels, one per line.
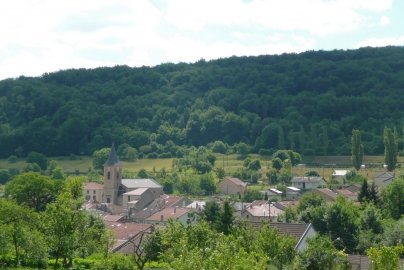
[
  {"x": 93, "y": 185},
  {"x": 167, "y": 213}
]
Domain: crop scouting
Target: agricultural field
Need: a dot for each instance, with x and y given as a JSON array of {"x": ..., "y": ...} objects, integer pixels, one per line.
[{"x": 324, "y": 165}]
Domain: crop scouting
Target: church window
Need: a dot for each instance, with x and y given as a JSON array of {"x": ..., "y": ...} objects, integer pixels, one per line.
[{"x": 108, "y": 175}]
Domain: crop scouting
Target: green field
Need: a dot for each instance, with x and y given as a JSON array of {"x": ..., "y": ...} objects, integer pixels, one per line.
[{"x": 229, "y": 162}]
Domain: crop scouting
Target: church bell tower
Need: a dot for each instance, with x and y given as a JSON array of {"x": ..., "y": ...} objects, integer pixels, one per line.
[{"x": 112, "y": 177}]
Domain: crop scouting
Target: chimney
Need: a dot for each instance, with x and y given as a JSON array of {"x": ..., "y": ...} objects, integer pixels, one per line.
[{"x": 161, "y": 218}]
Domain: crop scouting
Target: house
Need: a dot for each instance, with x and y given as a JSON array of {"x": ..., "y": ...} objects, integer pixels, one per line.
[
  {"x": 353, "y": 196},
  {"x": 232, "y": 186},
  {"x": 261, "y": 210},
  {"x": 127, "y": 235},
  {"x": 273, "y": 194},
  {"x": 326, "y": 193},
  {"x": 132, "y": 184},
  {"x": 383, "y": 179},
  {"x": 292, "y": 193},
  {"x": 339, "y": 176},
  {"x": 93, "y": 192},
  {"x": 198, "y": 205},
  {"x": 162, "y": 217},
  {"x": 164, "y": 201},
  {"x": 307, "y": 182},
  {"x": 301, "y": 232},
  {"x": 138, "y": 198}
]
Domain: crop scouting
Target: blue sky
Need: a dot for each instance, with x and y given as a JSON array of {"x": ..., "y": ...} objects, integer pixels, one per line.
[{"x": 39, "y": 36}]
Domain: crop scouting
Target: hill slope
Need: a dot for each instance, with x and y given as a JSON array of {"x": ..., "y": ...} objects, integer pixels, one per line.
[{"x": 309, "y": 102}]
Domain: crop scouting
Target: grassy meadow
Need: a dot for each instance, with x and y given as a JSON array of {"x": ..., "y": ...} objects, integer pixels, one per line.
[{"x": 230, "y": 163}]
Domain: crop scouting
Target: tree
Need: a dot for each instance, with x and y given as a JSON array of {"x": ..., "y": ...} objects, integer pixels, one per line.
[
  {"x": 357, "y": 149},
  {"x": 207, "y": 183},
  {"x": 4, "y": 176},
  {"x": 211, "y": 212},
  {"x": 385, "y": 258},
  {"x": 71, "y": 231},
  {"x": 343, "y": 223},
  {"x": 20, "y": 224},
  {"x": 393, "y": 198},
  {"x": 312, "y": 173},
  {"x": 277, "y": 163},
  {"x": 364, "y": 195},
  {"x": 99, "y": 158},
  {"x": 390, "y": 149},
  {"x": 254, "y": 165},
  {"x": 38, "y": 158},
  {"x": 226, "y": 218},
  {"x": 33, "y": 190},
  {"x": 279, "y": 250},
  {"x": 321, "y": 254}
]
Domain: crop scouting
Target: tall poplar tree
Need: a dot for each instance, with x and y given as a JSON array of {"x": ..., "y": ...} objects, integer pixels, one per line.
[
  {"x": 390, "y": 149},
  {"x": 357, "y": 149}
]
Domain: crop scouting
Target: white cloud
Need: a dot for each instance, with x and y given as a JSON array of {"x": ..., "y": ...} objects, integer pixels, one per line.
[
  {"x": 380, "y": 42},
  {"x": 40, "y": 36},
  {"x": 384, "y": 20}
]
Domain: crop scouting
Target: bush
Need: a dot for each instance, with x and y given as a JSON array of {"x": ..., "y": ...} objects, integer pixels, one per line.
[
  {"x": 265, "y": 152},
  {"x": 38, "y": 158},
  {"x": 4, "y": 176},
  {"x": 12, "y": 159}
]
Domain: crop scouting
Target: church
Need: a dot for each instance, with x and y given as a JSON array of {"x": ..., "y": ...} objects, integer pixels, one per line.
[{"x": 129, "y": 193}]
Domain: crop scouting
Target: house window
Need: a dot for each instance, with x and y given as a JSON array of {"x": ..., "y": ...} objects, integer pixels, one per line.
[
  {"x": 108, "y": 200},
  {"x": 94, "y": 192},
  {"x": 87, "y": 198},
  {"x": 108, "y": 175},
  {"x": 88, "y": 192},
  {"x": 117, "y": 175},
  {"x": 94, "y": 198}
]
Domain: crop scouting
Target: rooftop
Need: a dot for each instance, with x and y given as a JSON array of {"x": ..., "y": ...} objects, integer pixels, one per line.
[
  {"x": 169, "y": 213},
  {"x": 112, "y": 158},
  {"x": 140, "y": 183},
  {"x": 93, "y": 185},
  {"x": 236, "y": 181},
  {"x": 307, "y": 179},
  {"x": 138, "y": 191}
]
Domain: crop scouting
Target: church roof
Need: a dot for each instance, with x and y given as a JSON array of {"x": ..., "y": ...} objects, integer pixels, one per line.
[
  {"x": 112, "y": 158},
  {"x": 140, "y": 183}
]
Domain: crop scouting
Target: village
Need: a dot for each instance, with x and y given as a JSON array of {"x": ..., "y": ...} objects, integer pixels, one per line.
[{"x": 131, "y": 208}]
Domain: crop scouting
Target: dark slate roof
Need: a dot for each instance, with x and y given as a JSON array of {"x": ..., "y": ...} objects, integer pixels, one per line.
[{"x": 112, "y": 158}]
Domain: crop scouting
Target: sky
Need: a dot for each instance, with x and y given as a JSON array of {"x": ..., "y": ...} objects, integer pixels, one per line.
[{"x": 42, "y": 36}]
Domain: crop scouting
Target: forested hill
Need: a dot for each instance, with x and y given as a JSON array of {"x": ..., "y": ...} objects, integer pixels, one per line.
[{"x": 309, "y": 102}]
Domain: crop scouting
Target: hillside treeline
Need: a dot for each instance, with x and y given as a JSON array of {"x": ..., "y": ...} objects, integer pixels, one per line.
[{"x": 308, "y": 102}]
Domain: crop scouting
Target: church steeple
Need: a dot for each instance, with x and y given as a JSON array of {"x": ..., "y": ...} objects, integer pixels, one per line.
[
  {"x": 112, "y": 158},
  {"x": 112, "y": 177}
]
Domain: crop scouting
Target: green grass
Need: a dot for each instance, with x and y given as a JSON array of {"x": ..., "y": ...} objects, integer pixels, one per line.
[{"x": 230, "y": 163}]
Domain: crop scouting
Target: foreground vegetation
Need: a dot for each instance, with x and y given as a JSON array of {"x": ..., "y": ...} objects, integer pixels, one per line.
[{"x": 43, "y": 225}]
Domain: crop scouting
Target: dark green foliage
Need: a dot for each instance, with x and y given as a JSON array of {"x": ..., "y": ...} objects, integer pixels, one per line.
[
  {"x": 364, "y": 192},
  {"x": 252, "y": 195},
  {"x": 321, "y": 254},
  {"x": 254, "y": 165},
  {"x": 393, "y": 198},
  {"x": 100, "y": 157},
  {"x": 4, "y": 176},
  {"x": 33, "y": 190},
  {"x": 312, "y": 173},
  {"x": 390, "y": 149},
  {"x": 39, "y": 159},
  {"x": 309, "y": 102},
  {"x": 357, "y": 149},
  {"x": 277, "y": 163}
]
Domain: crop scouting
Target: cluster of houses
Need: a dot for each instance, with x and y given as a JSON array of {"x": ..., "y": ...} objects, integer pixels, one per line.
[{"x": 133, "y": 207}]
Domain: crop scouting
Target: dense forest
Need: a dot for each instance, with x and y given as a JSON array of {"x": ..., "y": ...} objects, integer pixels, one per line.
[{"x": 308, "y": 102}]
